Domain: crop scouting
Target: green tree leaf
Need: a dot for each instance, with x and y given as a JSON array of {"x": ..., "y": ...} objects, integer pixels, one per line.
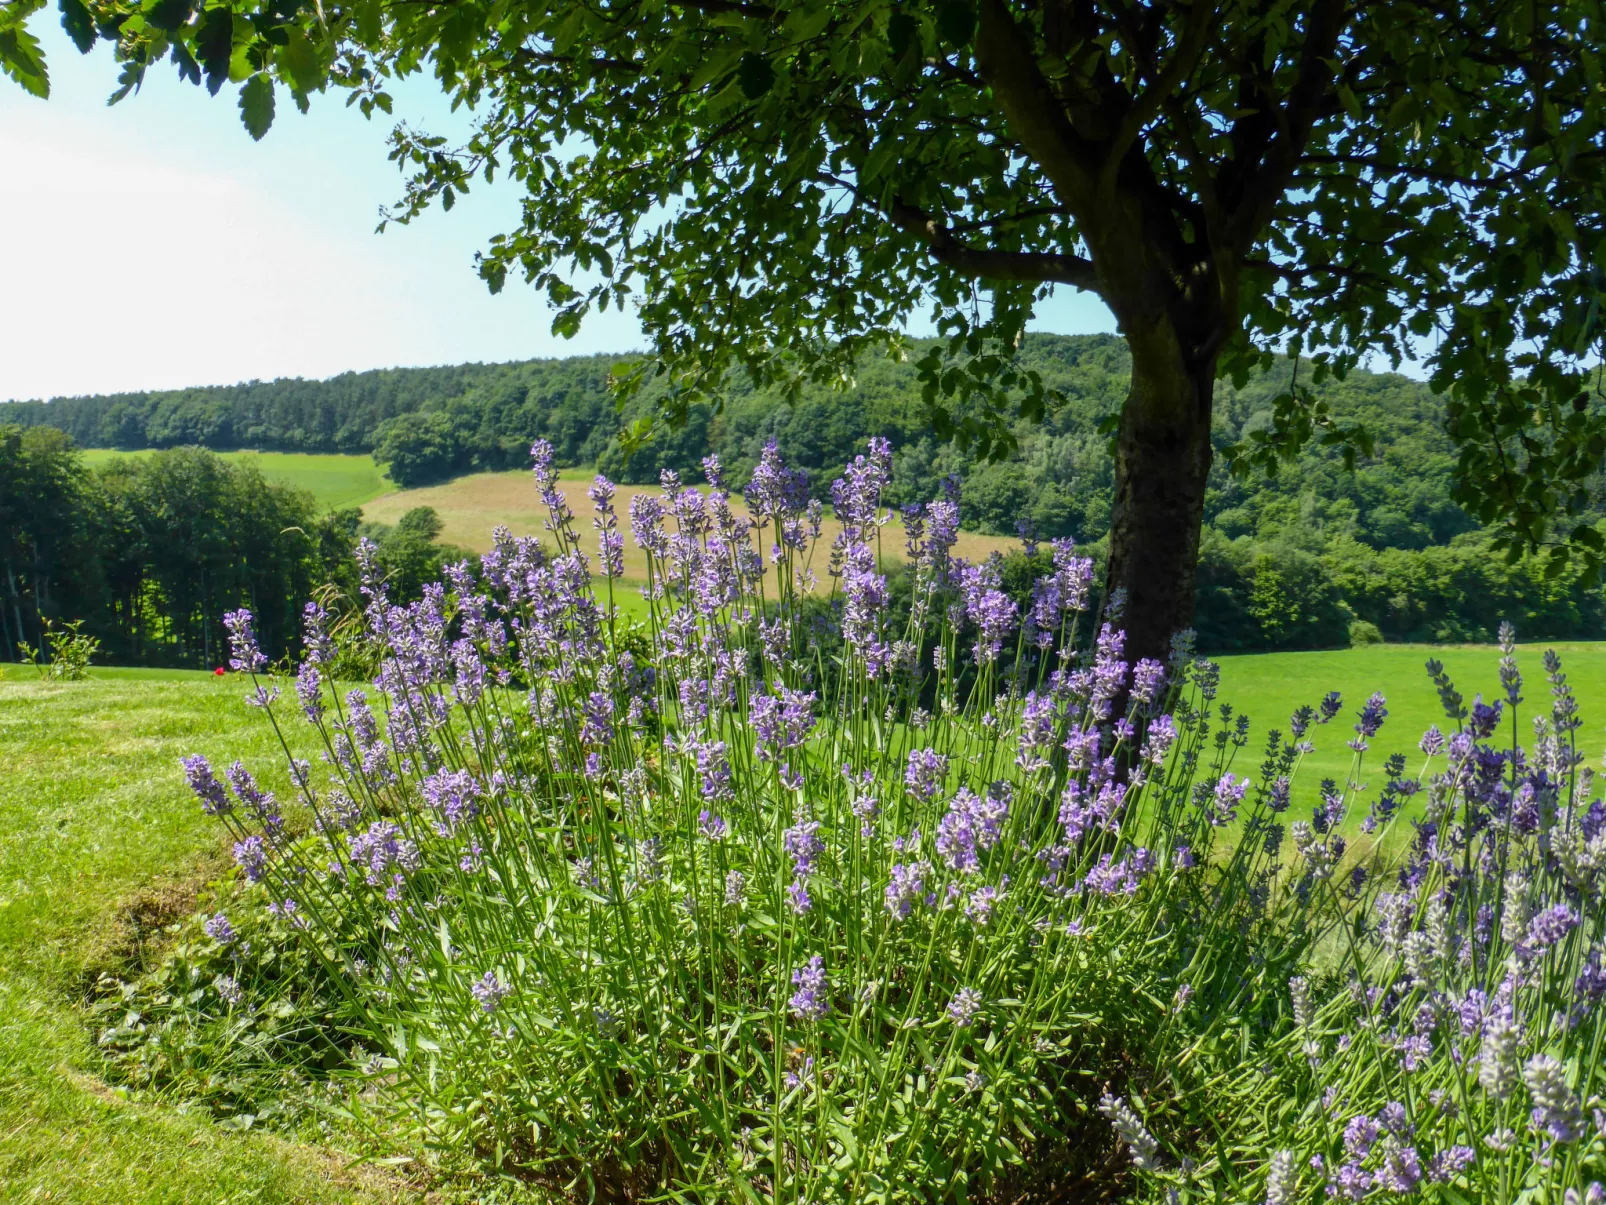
[
  {"x": 80, "y": 26},
  {"x": 22, "y": 58},
  {"x": 214, "y": 44},
  {"x": 256, "y": 104}
]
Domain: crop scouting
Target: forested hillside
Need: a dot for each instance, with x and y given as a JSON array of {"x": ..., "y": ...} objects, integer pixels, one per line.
[
  {"x": 1316, "y": 556},
  {"x": 149, "y": 552}
]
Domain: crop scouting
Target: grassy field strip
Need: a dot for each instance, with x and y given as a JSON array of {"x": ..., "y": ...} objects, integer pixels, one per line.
[
  {"x": 335, "y": 480},
  {"x": 1268, "y": 687},
  {"x": 96, "y": 829}
]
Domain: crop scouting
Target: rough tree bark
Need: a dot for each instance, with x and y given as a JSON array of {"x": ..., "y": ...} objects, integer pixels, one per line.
[{"x": 1162, "y": 463}]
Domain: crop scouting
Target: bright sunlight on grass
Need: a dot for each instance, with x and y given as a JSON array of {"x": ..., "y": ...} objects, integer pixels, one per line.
[{"x": 99, "y": 840}]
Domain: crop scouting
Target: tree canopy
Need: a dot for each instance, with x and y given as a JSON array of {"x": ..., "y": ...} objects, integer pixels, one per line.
[{"x": 778, "y": 185}]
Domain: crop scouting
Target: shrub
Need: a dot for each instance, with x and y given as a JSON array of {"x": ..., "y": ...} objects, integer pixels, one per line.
[
  {"x": 1449, "y": 1043},
  {"x": 670, "y": 909},
  {"x": 1362, "y": 633},
  {"x": 237, "y": 1015},
  {"x": 70, "y": 652}
]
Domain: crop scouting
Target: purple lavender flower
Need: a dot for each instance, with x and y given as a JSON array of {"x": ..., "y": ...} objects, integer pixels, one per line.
[
  {"x": 1360, "y": 1135},
  {"x": 906, "y": 886},
  {"x": 775, "y": 492},
  {"x": 1331, "y": 704},
  {"x": 262, "y": 804},
  {"x": 1371, "y": 717},
  {"x": 1109, "y": 671},
  {"x": 383, "y": 852},
  {"x": 220, "y": 930},
  {"x": 598, "y": 726},
  {"x": 713, "y": 827},
  {"x": 1548, "y": 928},
  {"x": 1148, "y": 682},
  {"x": 1485, "y": 719},
  {"x": 972, "y": 824},
  {"x": 309, "y": 690},
  {"x": 1402, "y": 1169},
  {"x": 244, "y": 655},
  {"x": 962, "y": 1009},
  {"x": 1350, "y": 1183},
  {"x": 214, "y": 799},
  {"x": 802, "y": 843},
  {"x": 979, "y": 907},
  {"x": 1432, "y": 742},
  {"x": 454, "y": 795},
  {"x": 986, "y": 606},
  {"x": 925, "y": 774},
  {"x": 228, "y": 990},
  {"x": 1038, "y": 721},
  {"x": 490, "y": 991},
  {"x": 811, "y": 1001},
  {"x": 798, "y": 898},
  {"x": 1157, "y": 742},
  {"x": 1278, "y": 798},
  {"x": 251, "y": 856},
  {"x": 715, "y": 772},
  {"x": 1228, "y": 794},
  {"x": 782, "y": 720},
  {"x": 1395, "y": 1119},
  {"x": 1450, "y": 1163}
]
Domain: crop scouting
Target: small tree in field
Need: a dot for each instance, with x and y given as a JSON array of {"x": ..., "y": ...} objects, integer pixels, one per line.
[{"x": 779, "y": 185}]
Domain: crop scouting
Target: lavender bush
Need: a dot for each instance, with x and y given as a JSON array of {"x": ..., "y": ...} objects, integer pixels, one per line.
[
  {"x": 679, "y": 907},
  {"x": 1448, "y": 1043}
]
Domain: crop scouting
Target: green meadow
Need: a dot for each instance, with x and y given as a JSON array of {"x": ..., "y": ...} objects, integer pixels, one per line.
[
  {"x": 98, "y": 849},
  {"x": 333, "y": 479},
  {"x": 1268, "y": 687}
]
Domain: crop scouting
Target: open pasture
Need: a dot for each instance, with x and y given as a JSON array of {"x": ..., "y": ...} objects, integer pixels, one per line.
[
  {"x": 333, "y": 479},
  {"x": 1269, "y": 686},
  {"x": 471, "y": 506}
]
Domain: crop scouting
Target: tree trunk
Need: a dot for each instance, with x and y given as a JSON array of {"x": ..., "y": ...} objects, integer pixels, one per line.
[{"x": 1162, "y": 462}]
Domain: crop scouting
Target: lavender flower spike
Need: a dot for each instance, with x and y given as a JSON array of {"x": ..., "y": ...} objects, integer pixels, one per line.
[
  {"x": 1142, "y": 1144},
  {"x": 244, "y": 655},
  {"x": 214, "y": 799},
  {"x": 811, "y": 1000},
  {"x": 490, "y": 991}
]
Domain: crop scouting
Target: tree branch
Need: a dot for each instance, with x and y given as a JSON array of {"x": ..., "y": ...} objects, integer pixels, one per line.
[
  {"x": 1027, "y": 266},
  {"x": 1037, "y": 119},
  {"x": 1294, "y": 121},
  {"x": 1195, "y": 37}
]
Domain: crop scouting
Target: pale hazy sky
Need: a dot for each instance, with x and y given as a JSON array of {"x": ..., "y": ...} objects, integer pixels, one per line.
[{"x": 152, "y": 244}]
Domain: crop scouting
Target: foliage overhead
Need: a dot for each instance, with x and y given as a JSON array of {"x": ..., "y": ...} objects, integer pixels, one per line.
[{"x": 779, "y": 185}]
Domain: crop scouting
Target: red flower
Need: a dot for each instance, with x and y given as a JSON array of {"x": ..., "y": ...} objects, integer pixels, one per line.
[{"x": 220, "y": 671}]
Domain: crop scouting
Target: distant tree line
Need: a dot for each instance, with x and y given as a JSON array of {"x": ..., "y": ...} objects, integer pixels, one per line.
[
  {"x": 151, "y": 551},
  {"x": 1294, "y": 561}
]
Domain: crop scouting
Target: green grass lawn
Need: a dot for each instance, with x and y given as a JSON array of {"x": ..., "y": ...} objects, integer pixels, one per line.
[
  {"x": 1270, "y": 686},
  {"x": 334, "y": 480},
  {"x": 98, "y": 830}
]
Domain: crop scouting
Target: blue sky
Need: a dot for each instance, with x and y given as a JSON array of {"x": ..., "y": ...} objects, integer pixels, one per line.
[{"x": 152, "y": 244}]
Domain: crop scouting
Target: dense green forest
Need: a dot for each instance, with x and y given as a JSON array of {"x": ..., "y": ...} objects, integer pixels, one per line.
[
  {"x": 1315, "y": 556},
  {"x": 149, "y": 552}
]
